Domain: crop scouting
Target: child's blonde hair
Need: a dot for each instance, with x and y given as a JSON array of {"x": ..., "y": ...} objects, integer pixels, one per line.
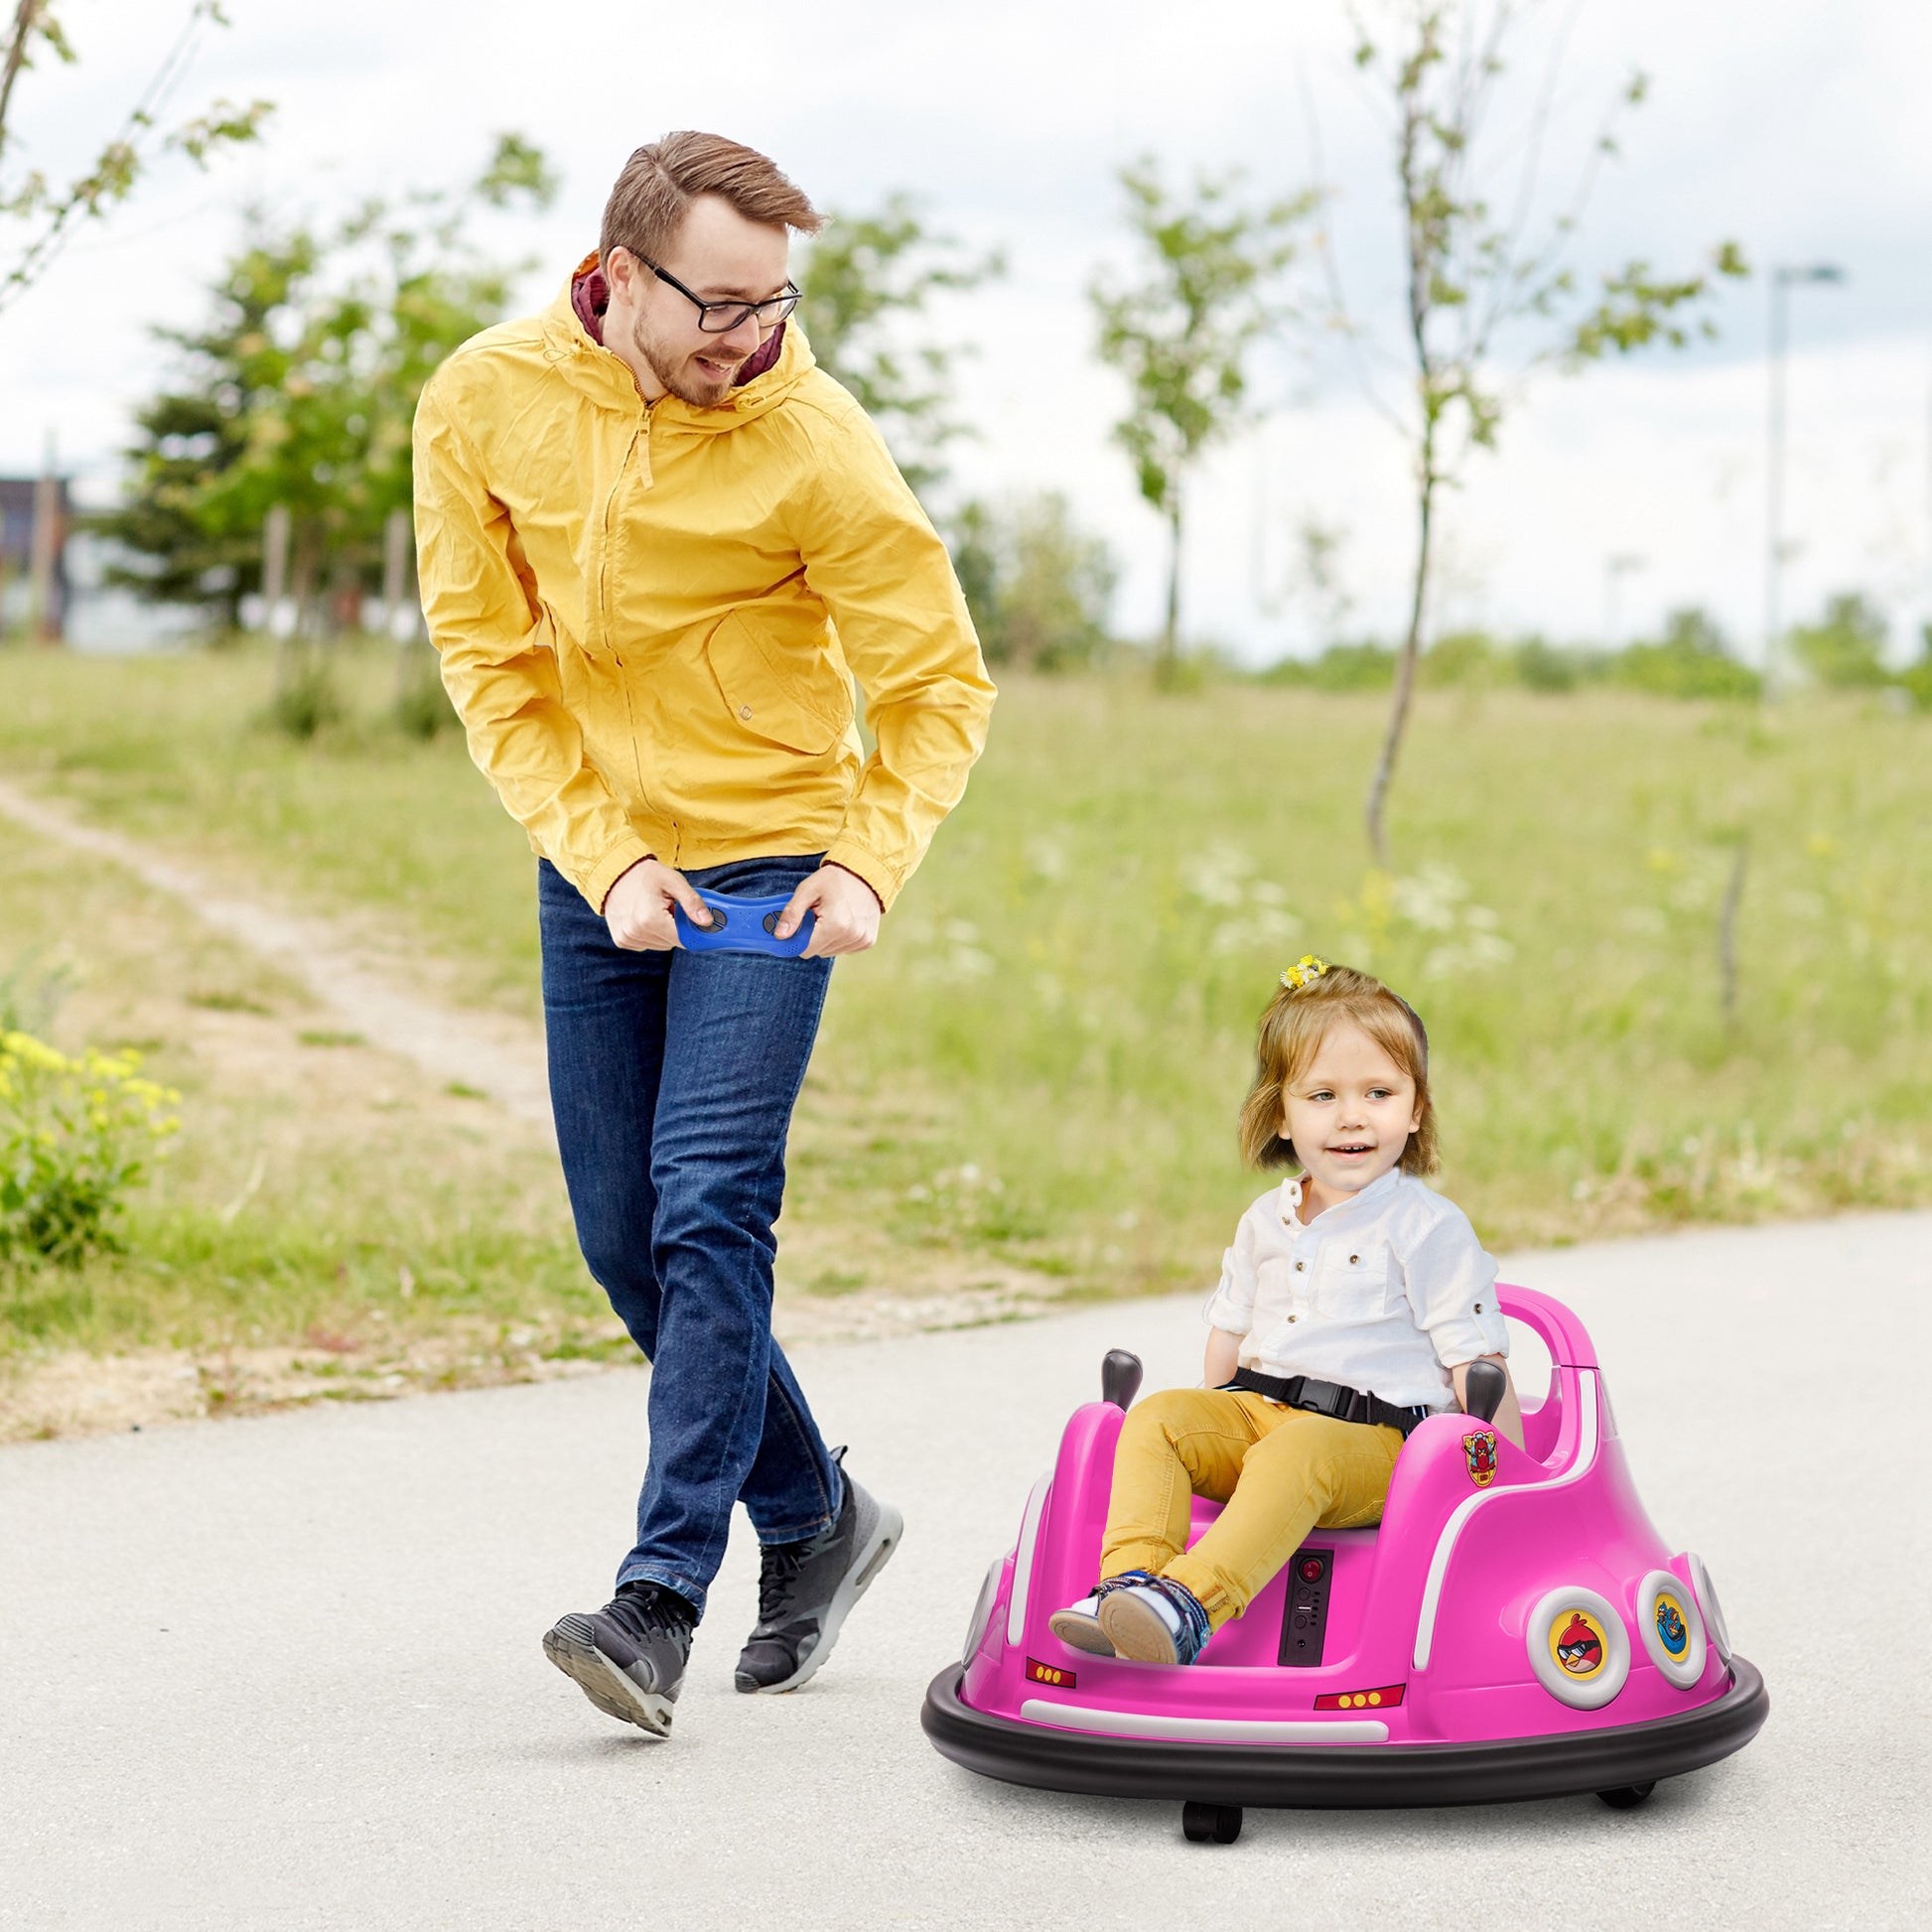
[{"x": 1293, "y": 1029}]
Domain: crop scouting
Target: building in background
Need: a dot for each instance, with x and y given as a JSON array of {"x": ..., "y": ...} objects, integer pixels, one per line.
[
  {"x": 35, "y": 515},
  {"x": 54, "y": 584}
]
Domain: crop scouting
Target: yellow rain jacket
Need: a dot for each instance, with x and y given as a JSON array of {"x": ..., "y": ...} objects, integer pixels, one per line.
[{"x": 649, "y": 617}]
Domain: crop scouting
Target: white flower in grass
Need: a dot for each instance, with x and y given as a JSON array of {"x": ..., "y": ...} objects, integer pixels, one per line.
[
  {"x": 1221, "y": 876},
  {"x": 1046, "y": 857},
  {"x": 1431, "y": 898}
]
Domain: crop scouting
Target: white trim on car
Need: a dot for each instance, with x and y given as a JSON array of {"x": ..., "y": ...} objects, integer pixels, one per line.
[
  {"x": 1022, "y": 1560},
  {"x": 1206, "y": 1731},
  {"x": 1586, "y": 1435}
]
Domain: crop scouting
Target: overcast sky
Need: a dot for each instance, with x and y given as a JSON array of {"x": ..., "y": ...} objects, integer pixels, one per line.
[{"x": 1798, "y": 131}]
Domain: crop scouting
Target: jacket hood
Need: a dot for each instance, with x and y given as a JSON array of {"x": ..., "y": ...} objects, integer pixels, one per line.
[{"x": 573, "y": 328}]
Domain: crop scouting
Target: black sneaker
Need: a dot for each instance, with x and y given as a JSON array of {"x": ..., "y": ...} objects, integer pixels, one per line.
[
  {"x": 628, "y": 1657},
  {"x": 806, "y": 1589}
]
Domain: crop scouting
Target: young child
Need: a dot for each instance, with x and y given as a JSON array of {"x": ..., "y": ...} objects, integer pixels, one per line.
[{"x": 1351, "y": 1306}]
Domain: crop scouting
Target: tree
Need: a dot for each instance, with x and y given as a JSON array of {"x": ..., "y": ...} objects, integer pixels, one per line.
[
  {"x": 300, "y": 390},
  {"x": 1182, "y": 334},
  {"x": 1690, "y": 660},
  {"x": 1916, "y": 678},
  {"x": 178, "y": 512},
  {"x": 1472, "y": 277},
  {"x": 1039, "y": 588},
  {"x": 51, "y": 212},
  {"x": 865, "y": 276},
  {"x": 1846, "y": 648}
]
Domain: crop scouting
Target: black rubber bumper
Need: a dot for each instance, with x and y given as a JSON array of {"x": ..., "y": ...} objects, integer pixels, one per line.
[{"x": 1346, "y": 1775}]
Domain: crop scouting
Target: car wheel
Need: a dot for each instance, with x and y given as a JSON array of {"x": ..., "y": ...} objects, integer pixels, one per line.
[
  {"x": 1627, "y": 1797},
  {"x": 1211, "y": 1824}
]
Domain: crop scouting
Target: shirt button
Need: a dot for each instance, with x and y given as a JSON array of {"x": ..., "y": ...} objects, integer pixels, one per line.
[
  {"x": 1354, "y": 1261},
  {"x": 1478, "y": 1307},
  {"x": 743, "y": 711},
  {"x": 1300, "y": 1266},
  {"x": 1290, "y": 1317}
]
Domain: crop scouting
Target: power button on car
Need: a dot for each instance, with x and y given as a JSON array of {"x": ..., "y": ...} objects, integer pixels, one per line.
[{"x": 1306, "y": 1618}]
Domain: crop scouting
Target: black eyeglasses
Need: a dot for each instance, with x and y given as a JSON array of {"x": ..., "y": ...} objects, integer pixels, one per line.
[{"x": 721, "y": 318}]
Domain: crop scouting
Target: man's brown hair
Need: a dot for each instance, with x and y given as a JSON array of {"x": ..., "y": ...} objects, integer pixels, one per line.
[
  {"x": 1293, "y": 1029},
  {"x": 661, "y": 179}
]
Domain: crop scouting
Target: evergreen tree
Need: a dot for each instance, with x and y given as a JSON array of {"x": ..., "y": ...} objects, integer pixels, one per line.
[{"x": 300, "y": 390}]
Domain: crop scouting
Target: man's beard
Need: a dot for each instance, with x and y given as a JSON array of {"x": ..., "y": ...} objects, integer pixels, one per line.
[{"x": 675, "y": 376}]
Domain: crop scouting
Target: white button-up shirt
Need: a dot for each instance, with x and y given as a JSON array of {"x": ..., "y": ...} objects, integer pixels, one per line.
[{"x": 1385, "y": 1292}]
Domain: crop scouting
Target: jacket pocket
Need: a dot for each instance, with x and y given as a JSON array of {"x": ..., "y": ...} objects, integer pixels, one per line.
[
  {"x": 795, "y": 699},
  {"x": 1352, "y": 1282}
]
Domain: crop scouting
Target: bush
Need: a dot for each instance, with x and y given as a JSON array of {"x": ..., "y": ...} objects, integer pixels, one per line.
[
  {"x": 422, "y": 708},
  {"x": 1354, "y": 667},
  {"x": 1690, "y": 660},
  {"x": 1916, "y": 681},
  {"x": 306, "y": 696},
  {"x": 75, "y": 1139},
  {"x": 1464, "y": 657},
  {"x": 1367, "y": 666},
  {"x": 1039, "y": 588},
  {"x": 1846, "y": 648},
  {"x": 1541, "y": 666}
]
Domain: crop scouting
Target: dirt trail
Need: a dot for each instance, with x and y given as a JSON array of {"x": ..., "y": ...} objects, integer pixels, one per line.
[
  {"x": 490, "y": 1056},
  {"x": 490, "y": 1052}
]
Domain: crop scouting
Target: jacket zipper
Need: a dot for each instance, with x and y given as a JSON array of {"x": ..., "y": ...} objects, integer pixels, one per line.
[{"x": 639, "y": 449}]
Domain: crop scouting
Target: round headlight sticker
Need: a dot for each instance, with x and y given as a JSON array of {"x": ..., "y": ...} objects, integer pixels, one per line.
[
  {"x": 1577, "y": 1647},
  {"x": 1671, "y": 1628},
  {"x": 982, "y": 1608},
  {"x": 1706, "y": 1595}
]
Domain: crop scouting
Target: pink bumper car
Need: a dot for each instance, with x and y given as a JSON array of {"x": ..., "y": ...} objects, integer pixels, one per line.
[{"x": 1513, "y": 1628}]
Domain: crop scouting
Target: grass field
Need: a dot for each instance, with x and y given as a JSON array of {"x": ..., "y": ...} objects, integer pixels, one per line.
[{"x": 1039, "y": 1067}]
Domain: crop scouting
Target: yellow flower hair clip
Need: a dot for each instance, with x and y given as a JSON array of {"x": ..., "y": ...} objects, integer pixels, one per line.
[{"x": 1303, "y": 973}]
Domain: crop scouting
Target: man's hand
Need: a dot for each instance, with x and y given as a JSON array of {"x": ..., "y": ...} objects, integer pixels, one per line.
[
  {"x": 846, "y": 908},
  {"x": 637, "y": 908}
]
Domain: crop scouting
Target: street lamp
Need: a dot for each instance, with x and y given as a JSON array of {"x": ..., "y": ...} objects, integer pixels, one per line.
[
  {"x": 1782, "y": 280},
  {"x": 1615, "y": 569}
]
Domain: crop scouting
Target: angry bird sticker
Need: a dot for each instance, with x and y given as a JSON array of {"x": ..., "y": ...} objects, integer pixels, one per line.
[
  {"x": 1672, "y": 1631},
  {"x": 1480, "y": 1451},
  {"x": 1576, "y": 1643},
  {"x": 1671, "y": 1628},
  {"x": 1579, "y": 1646}
]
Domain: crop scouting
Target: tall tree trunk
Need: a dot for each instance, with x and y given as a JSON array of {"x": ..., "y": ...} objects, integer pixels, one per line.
[
  {"x": 1168, "y": 664},
  {"x": 1425, "y": 255},
  {"x": 24, "y": 15},
  {"x": 1405, "y": 668}
]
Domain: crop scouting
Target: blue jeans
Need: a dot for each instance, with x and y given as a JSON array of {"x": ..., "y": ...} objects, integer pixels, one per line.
[{"x": 672, "y": 1078}]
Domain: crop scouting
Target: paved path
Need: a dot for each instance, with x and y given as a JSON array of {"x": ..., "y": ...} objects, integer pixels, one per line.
[
  {"x": 490, "y": 1052},
  {"x": 284, "y": 1672}
]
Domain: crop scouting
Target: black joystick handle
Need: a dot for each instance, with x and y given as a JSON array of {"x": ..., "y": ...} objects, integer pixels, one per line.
[
  {"x": 1120, "y": 1377},
  {"x": 1485, "y": 1387}
]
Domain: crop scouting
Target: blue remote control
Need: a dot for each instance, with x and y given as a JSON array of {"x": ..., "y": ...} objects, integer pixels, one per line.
[{"x": 743, "y": 926}]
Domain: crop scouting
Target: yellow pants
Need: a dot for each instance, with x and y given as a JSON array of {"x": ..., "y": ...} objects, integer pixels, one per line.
[{"x": 1279, "y": 1472}]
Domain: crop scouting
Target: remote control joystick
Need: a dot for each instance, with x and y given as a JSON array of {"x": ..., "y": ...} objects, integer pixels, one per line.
[
  {"x": 1120, "y": 1377},
  {"x": 1485, "y": 1386},
  {"x": 743, "y": 924}
]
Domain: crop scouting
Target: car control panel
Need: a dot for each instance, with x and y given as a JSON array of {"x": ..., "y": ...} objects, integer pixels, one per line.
[{"x": 1304, "y": 1620}]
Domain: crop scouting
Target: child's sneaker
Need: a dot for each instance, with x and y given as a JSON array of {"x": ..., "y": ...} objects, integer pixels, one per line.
[
  {"x": 1155, "y": 1622},
  {"x": 1078, "y": 1626}
]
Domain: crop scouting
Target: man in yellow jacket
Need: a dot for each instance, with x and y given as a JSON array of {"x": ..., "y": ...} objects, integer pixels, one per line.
[{"x": 657, "y": 544}]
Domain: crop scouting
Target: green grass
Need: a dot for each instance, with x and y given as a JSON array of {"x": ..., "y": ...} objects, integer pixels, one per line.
[
  {"x": 1040, "y": 1064},
  {"x": 308, "y": 1193}
]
